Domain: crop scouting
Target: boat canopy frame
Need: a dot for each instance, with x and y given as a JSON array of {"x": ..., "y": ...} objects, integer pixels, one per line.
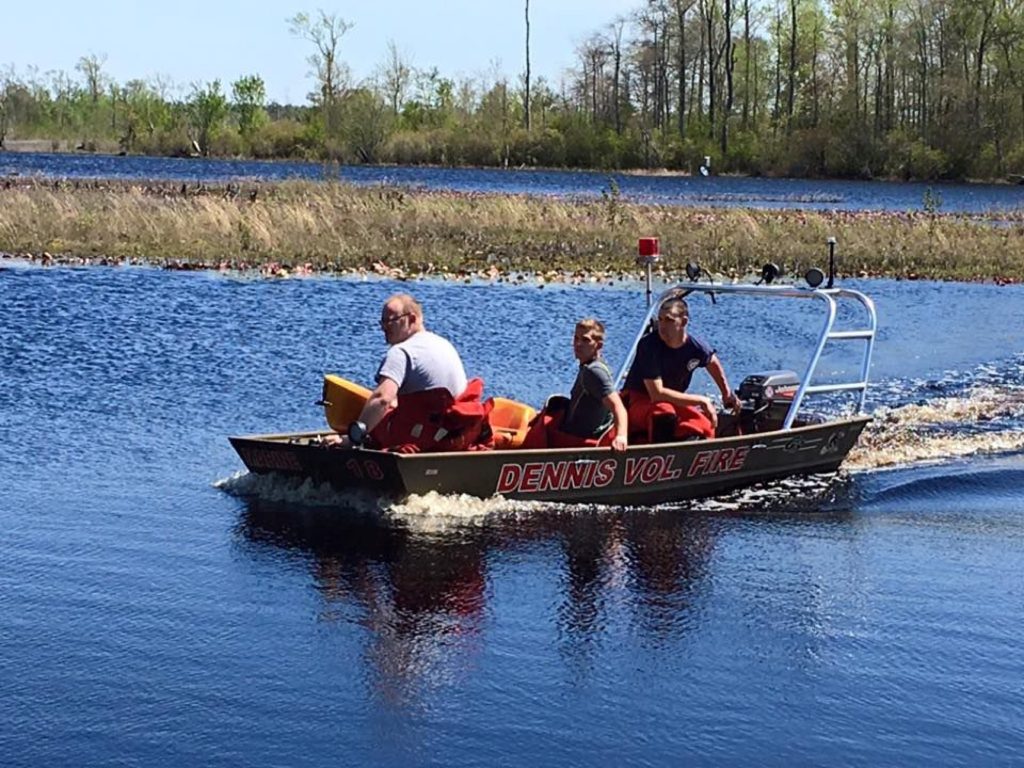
[{"x": 829, "y": 297}]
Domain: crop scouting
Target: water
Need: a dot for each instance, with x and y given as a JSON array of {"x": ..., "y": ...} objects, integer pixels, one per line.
[
  {"x": 160, "y": 607},
  {"x": 714, "y": 191}
]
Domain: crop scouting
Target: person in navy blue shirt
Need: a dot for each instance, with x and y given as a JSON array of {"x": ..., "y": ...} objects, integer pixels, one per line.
[{"x": 658, "y": 406}]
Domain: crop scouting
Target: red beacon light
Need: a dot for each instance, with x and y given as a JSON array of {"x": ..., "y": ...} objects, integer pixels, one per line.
[
  {"x": 647, "y": 255},
  {"x": 647, "y": 250}
]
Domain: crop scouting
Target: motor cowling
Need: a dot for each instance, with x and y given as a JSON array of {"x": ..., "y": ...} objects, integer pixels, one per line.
[
  {"x": 766, "y": 397},
  {"x": 764, "y": 388}
]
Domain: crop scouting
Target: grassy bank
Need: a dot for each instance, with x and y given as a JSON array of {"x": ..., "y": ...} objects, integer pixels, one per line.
[{"x": 303, "y": 226}]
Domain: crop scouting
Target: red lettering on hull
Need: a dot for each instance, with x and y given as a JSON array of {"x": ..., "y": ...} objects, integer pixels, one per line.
[
  {"x": 530, "y": 481},
  {"x": 605, "y": 473},
  {"x": 262, "y": 459},
  {"x": 551, "y": 476},
  {"x": 537, "y": 477},
  {"x": 650, "y": 469},
  {"x": 508, "y": 478},
  {"x": 717, "y": 461}
]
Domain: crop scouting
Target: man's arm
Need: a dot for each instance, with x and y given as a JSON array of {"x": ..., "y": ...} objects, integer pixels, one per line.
[
  {"x": 659, "y": 393},
  {"x": 717, "y": 371},
  {"x": 381, "y": 400}
]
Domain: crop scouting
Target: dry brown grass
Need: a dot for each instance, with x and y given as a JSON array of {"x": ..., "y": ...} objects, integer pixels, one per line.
[{"x": 333, "y": 227}]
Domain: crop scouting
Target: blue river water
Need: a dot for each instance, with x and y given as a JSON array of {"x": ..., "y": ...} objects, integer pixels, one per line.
[
  {"x": 159, "y": 607},
  {"x": 711, "y": 191}
]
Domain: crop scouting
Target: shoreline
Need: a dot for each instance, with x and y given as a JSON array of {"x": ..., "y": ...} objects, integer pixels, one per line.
[
  {"x": 65, "y": 147},
  {"x": 380, "y": 271}
]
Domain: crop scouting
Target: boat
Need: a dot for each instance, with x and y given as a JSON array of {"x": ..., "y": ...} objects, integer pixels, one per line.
[{"x": 774, "y": 435}]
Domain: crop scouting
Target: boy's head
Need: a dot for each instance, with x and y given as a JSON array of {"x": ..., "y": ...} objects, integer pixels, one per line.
[{"x": 588, "y": 339}]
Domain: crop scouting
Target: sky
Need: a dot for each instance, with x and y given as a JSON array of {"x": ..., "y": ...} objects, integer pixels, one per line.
[{"x": 188, "y": 41}]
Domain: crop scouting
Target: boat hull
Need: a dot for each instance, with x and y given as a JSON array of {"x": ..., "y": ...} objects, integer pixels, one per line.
[{"x": 646, "y": 474}]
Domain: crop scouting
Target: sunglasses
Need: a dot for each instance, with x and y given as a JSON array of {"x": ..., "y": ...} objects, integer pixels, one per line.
[{"x": 387, "y": 322}]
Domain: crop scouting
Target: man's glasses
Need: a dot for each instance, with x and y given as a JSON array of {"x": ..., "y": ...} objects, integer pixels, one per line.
[{"x": 387, "y": 322}]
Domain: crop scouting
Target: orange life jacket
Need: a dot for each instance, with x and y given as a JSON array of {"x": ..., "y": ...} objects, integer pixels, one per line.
[{"x": 433, "y": 420}]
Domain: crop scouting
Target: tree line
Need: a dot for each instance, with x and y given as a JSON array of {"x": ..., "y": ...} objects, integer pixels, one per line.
[{"x": 927, "y": 89}]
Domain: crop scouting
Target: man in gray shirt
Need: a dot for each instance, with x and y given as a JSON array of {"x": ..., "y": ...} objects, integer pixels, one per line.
[{"x": 417, "y": 361}]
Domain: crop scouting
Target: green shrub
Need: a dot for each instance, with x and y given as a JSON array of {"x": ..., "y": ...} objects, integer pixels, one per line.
[
  {"x": 469, "y": 147},
  {"x": 744, "y": 153},
  {"x": 927, "y": 163},
  {"x": 987, "y": 164},
  {"x": 282, "y": 138},
  {"x": 1015, "y": 160},
  {"x": 407, "y": 148},
  {"x": 227, "y": 143},
  {"x": 684, "y": 154},
  {"x": 908, "y": 157}
]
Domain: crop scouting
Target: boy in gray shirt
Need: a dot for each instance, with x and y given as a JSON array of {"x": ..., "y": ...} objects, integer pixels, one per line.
[{"x": 593, "y": 408}]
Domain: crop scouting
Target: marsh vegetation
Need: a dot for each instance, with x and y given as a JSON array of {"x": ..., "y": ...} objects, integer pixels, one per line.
[{"x": 333, "y": 227}]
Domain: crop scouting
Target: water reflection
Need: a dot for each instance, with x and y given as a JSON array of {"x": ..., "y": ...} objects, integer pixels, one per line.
[
  {"x": 425, "y": 597},
  {"x": 420, "y": 597},
  {"x": 669, "y": 560}
]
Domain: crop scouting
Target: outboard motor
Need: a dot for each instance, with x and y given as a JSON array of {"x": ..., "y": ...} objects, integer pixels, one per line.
[{"x": 766, "y": 397}]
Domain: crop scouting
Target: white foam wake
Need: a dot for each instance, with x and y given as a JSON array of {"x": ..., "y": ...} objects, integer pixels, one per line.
[
  {"x": 429, "y": 512},
  {"x": 987, "y": 420},
  {"x": 288, "y": 490}
]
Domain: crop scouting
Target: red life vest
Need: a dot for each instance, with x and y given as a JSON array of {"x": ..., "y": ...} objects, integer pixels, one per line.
[
  {"x": 433, "y": 420},
  {"x": 686, "y": 421},
  {"x": 545, "y": 430}
]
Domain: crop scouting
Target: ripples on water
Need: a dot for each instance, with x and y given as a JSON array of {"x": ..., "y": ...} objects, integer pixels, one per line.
[{"x": 162, "y": 607}]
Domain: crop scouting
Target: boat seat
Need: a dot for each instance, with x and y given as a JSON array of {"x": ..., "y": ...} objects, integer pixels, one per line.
[
  {"x": 510, "y": 421},
  {"x": 343, "y": 401}
]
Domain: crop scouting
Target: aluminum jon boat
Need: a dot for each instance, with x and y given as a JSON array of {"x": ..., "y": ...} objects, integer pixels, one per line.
[{"x": 773, "y": 436}]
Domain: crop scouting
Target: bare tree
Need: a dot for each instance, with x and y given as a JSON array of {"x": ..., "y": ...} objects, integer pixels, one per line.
[
  {"x": 729, "y": 53},
  {"x": 526, "y": 95},
  {"x": 653, "y": 50},
  {"x": 708, "y": 12},
  {"x": 396, "y": 75},
  {"x": 616, "y": 47},
  {"x": 682, "y": 7},
  {"x": 746, "y": 64},
  {"x": 91, "y": 67},
  {"x": 325, "y": 33},
  {"x": 791, "y": 90},
  {"x": 593, "y": 55}
]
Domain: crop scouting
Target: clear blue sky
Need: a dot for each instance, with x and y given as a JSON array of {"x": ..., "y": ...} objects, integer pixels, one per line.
[{"x": 190, "y": 41}]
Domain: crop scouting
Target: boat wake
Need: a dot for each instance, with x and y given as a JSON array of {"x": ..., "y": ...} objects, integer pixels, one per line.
[
  {"x": 431, "y": 512},
  {"x": 798, "y": 494},
  {"x": 437, "y": 513},
  {"x": 980, "y": 417},
  {"x": 281, "y": 489}
]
